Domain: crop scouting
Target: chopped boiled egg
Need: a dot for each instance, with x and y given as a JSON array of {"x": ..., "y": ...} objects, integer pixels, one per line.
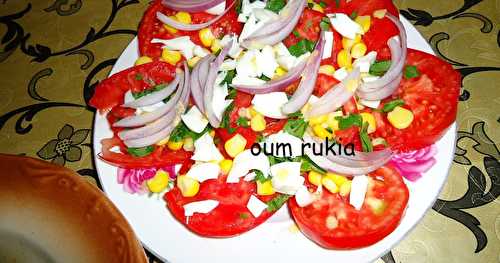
[
  {"x": 228, "y": 64},
  {"x": 364, "y": 63},
  {"x": 281, "y": 50},
  {"x": 247, "y": 6},
  {"x": 205, "y": 150},
  {"x": 244, "y": 80},
  {"x": 195, "y": 120},
  {"x": 255, "y": 206},
  {"x": 203, "y": 171},
  {"x": 279, "y": 143},
  {"x": 249, "y": 177},
  {"x": 266, "y": 62},
  {"x": 218, "y": 9},
  {"x": 235, "y": 49},
  {"x": 343, "y": 24},
  {"x": 359, "y": 185},
  {"x": 270, "y": 104},
  {"x": 244, "y": 162},
  {"x": 250, "y": 27},
  {"x": 370, "y": 103},
  {"x": 182, "y": 44},
  {"x": 303, "y": 197},
  {"x": 370, "y": 78},
  {"x": 327, "y": 52},
  {"x": 340, "y": 74},
  {"x": 287, "y": 61},
  {"x": 200, "y": 52},
  {"x": 201, "y": 207},
  {"x": 286, "y": 178},
  {"x": 219, "y": 102},
  {"x": 247, "y": 64}
]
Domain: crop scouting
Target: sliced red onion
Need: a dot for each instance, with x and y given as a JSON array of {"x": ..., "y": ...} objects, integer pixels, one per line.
[
  {"x": 276, "y": 84},
  {"x": 306, "y": 86},
  {"x": 387, "y": 84},
  {"x": 190, "y": 27},
  {"x": 150, "y": 140},
  {"x": 184, "y": 100},
  {"x": 210, "y": 83},
  {"x": 150, "y": 129},
  {"x": 203, "y": 71},
  {"x": 191, "y": 5},
  {"x": 198, "y": 80},
  {"x": 155, "y": 97},
  {"x": 334, "y": 98},
  {"x": 275, "y": 31},
  {"x": 139, "y": 120}
]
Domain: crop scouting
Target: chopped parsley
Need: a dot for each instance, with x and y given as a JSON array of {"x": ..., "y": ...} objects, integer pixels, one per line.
[
  {"x": 349, "y": 121},
  {"x": 296, "y": 33},
  {"x": 226, "y": 122},
  {"x": 148, "y": 91},
  {"x": 325, "y": 24},
  {"x": 264, "y": 78},
  {"x": 259, "y": 176},
  {"x": 275, "y": 5},
  {"x": 242, "y": 122},
  {"x": 181, "y": 131},
  {"x": 337, "y": 3},
  {"x": 411, "y": 72},
  {"x": 391, "y": 105},
  {"x": 244, "y": 215},
  {"x": 322, "y": 4},
  {"x": 138, "y": 76},
  {"x": 353, "y": 15},
  {"x": 308, "y": 165},
  {"x": 296, "y": 125},
  {"x": 277, "y": 202},
  {"x": 302, "y": 47},
  {"x": 366, "y": 143},
  {"x": 229, "y": 77},
  {"x": 140, "y": 152},
  {"x": 379, "y": 68}
]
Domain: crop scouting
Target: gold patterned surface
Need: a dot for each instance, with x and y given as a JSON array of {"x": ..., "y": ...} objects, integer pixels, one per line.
[{"x": 52, "y": 52}]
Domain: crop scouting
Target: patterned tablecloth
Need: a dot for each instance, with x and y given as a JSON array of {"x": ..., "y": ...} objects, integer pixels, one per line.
[{"x": 53, "y": 52}]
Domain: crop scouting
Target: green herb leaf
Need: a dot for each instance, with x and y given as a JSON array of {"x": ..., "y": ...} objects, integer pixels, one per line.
[
  {"x": 296, "y": 126},
  {"x": 242, "y": 122},
  {"x": 389, "y": 106},
  {"x": 325, "y": 24},
  {"x": 379, "y": 68},
  {"x": 322, "y": 4},
  {"x": 275, "y": 5},
  {"x": 229, "y": 77},
  {"x": 411, "y": 72},
  {"x": 225, "y": 122},
  {"x": 259, "y": 176},
  {"x": 337, "y": 3},
  {"x": 244, "y": 215},
  {"x": 349, "y": 121},
  {"x": 138, "y": 76},
  {"x": 302, "y": 47},
  {"x": 310, "y": 5},
  {"x": 231, "y": 93},
  {"x": 296, "y": 33},
  {"x": 264, "y": 78},
  {"x": 308, "y": 165},
  {"x": 141, "y": 152},
  {"x": 366, "y": 143},
  {"x": 353, "y": 15},
  {"x": 277, "y": 202},
  {"x": 181, "y": 131},
  {"x": 148, "y": 91}
]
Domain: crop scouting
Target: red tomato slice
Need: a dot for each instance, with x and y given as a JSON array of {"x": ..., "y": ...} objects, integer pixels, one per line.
[
  {"x": 151, "y": 27},
  {"x": 335, "y": 224},
  {"x": 380, "y": 31},
  {"x": 231, "y": 217},
  {"x": 362, "y": 7},
  {"x": 433, "y": 99},
  {"x": 110, "y": 92},
  {"x": 323, "y": 84},
  {"x": 307, "y": 27}
]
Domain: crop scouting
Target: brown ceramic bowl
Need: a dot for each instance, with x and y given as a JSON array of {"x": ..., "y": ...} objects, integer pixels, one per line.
[{"x": 50, "y": 214}]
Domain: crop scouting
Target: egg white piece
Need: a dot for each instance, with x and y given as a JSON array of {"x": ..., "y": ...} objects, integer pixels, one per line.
[
  {"x": 364, "y": 63},
  {"x": 281, "y": 50},
  {"x": 202, "y": 207},
  {"x": 303, "y": 197},
  {"x": 266, "y": 62},
  {"x": 255, "y": 206},
  {"x": 195, "y": 120},
  {"x": 287, "y": 61},
  {"x": 218, "y": 9},
  {"x": 327, "y": 52},
  {"x": 182, "y": 44},
  {"x": 250, "y": 177},
  {"x": 149, "y": 108},
  {"x": 270, "y": 104},
  {"x": 244, "y": 80},
  {"x": 370, "y": 103},
  {"x": 343, "y": 24},
  {"x": 283, "y": 145},
  {"x": 203, "y": 171},
  {"x": 246, "y": 65},
  {"x": 247, "y": 7},
  {"x": 200, "y": 51},
  {"x": 228, "y": 64},
  {"x": 235, "y": 49},
  {"x": 340, "y": 74},
  {"x": 205, "y": 150},
  {"x": 359, "y": 186},
  {"x": 286, "y": 177},
  {"x": 244, "y": 162},
  {"x": 370, "y": 78}
]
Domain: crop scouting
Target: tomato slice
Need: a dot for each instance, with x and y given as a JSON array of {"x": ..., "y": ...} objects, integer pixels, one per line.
[
  {"x": 150, "y": 27},
  {"x": 307, "y": 27},
  {"x": 231, "y": 217},
  {"x": 110, "y": 92},
  {"x": 323, "y": 84},
  {"x": 362, "y": 7},
  {"x": 433, "y": 99},
  {"x": 333, "y": 223}
]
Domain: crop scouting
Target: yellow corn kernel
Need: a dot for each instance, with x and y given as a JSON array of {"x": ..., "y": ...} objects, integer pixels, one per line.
[
  {"x": 183, "y": 17},
  {"x": 206, "y": 37},
  {"x": 175, "y": 145},
  {"x": 216, "y": 46},
  {"x": 347, "y": 43},
  {"x": 143, "y": 60},
  {"x": 345, "y": 188},
  {"x": 330, "y": 185},
  {"x": 159, "y": 182},
  {"x": 253, "y": 112},
  {"x": 212, "y": 133},
  {"x": 235, "y": 145},
  {"x": 332, "y": 122},
  {"x": 225, "y": 166},
  {"x": 352, "y": 85},
  {"x": 372, "y": 124},
  {"x": 188, "y": 186},
  {"x": 265, "y": 188},
  {"x": 188, "y": 144},
  {"x": 315, "y": 178},
  {"x": 321, "y": 132},
  {"x": 279, "y": 72},
  {"x": 364, "y": 22},
  {"x": 193, "y": 61},
  {"x": 170, "y": 29},
  {"x": 338, "y": 179},
  {"x": 162, "y": 142},
  {"x": 344, "y": 59},
  {"x": 258, "y": 123},
  {"x": 327, "y": 70},
  {"x": 170, "y": 56},
  {"x": 318, "y": 120},
  {"x": 400, "y": 117},
  {"x": 379, "y": 13},
  {"x": 358, "y": 50},
  {"x": 317, "y": 7}
]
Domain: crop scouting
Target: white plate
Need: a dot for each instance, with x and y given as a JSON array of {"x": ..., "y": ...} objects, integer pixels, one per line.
[{"x": 271, "y": 241}]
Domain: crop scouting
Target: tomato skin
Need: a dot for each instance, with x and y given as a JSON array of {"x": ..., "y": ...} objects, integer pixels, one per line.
[
  {"x": 376, "y": 38},
  {"x": 362, "y": 7},
  {"x": 349, "y": 136},
  {"x": 323, "y": 84},
  {"x": 355, "y": 228},
  {"x": 307, "y": 27}
]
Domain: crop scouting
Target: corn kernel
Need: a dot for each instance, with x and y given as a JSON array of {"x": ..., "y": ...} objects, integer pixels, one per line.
[
  {"x": 330, "y": 185},
  {"x": 159, "y": 182},
  {"x": 279, "y": 72},
  {"x": 358, "y": 50},
  {"x": 332, "y": 122},
  {"x": 344, "y": 59},
  {"x": 183, "y": 17},
  {"x": 317, "y": 7},
  {"x": 258, "y": 123},
  {"x": 212, "y": 133},
  {"x": 235, "y": 145},
  {"x": 216, "y": 46},
  {"x": 162, "y": 142},
  {"x": 170, "y": 56},
  {"x": 321, "y": 132},
  {"x": 175, "y": 145},
  {"x": 253, "y": 112},
  {"x": 338, "y": 179},
  {"x": 345, "y": 188},
  {"x": 347, "y": 43},
  {"x": 188, "y": 144},
  {"x": 364, "y": 22},
  {"x": 265, "y": 188},
  {"x": 193, "y": 61},
  {"x": 225, "y": 166},
  {"x": 315, "y": 178},
  {"x": 188, "y": 186},
  {"x": 372, "y": 124},
  {"x": 206, "y": 37},
  {"x": 400, "y": 117},
  {"x": 327, "y": 70},
  {"x": 170, "y": 29},
  {"x": 318, "y": 120},
  {"x": 379, "y": 13},
  {"x": 352, "y": 85},
  {"x": 143, "y": 60}
]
